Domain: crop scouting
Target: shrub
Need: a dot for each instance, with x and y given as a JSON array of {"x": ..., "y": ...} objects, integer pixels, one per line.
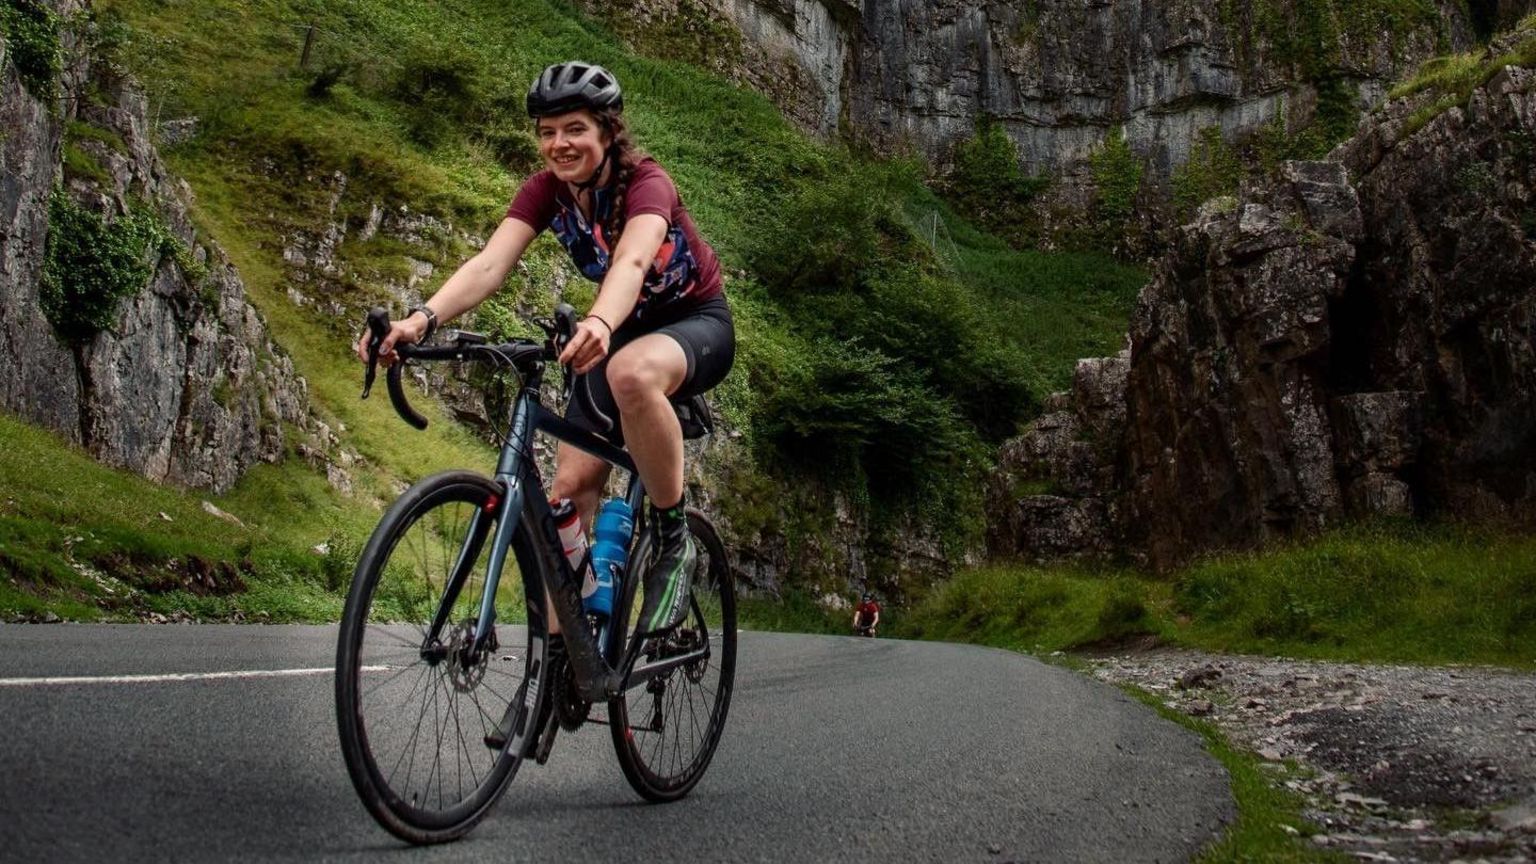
[
  {"x": 1213, "y": 169},
  {"x": 891, "y": 348},
  {"x": 32, "y": 44},
  {"x": 322, "y": 84},
  {"x": 91, "y": 265},
  {"x": 439, "y": 91},
  {"x": 987, "y": 185},
  {"x": 1117, "y": 173},
  {"x": 826, "y": 235}
]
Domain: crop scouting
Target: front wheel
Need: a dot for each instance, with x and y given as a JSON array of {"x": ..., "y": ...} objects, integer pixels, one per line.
[
  {"x": 414, "y": 702},
  {"x": 665, "y": 731}
]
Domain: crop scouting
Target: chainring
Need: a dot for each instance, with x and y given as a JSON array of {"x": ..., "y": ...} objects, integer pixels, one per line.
[{"x": 570, "y": 709}]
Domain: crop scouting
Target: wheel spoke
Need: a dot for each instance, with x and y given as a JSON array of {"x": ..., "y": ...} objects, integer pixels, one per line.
[
  {"x": 671, "y": 735},
  {"x": 417, "y": 754}
]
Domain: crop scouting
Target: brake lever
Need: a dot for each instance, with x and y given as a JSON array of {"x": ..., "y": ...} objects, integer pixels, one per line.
[
  {"x": 562, "y": 327},
  {"x": 378, "y": 326}
]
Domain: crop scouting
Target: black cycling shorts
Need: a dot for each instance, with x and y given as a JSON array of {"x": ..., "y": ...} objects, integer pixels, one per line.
[{"x": 708, "y": 338}]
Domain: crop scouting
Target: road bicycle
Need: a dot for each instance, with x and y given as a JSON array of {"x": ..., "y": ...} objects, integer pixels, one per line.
[{"x": 447, "y": 676}]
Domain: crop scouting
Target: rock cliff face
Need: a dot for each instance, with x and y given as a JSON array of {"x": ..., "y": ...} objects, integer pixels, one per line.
[
  {"x": 1360, "y": 338},
  {"x": 184, "y": 385},
  {"x": 1058, "y": 75}
]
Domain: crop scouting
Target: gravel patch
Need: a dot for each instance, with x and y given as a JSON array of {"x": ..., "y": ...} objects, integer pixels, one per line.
[{"x": 1400, "y": 763}]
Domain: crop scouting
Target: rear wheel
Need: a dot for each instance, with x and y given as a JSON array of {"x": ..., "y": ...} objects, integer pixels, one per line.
[
  {"x": 413, "y": 709},
  {"x": 665, "y": 731}
]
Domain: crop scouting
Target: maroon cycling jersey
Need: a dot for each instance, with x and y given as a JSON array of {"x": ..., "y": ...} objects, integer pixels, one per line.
[
  {"x": 685, "y": 272},
  {"x": 867, "y": 612}
]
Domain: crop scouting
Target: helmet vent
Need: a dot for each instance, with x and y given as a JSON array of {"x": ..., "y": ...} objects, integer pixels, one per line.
[{"x": 568, "y": 86}]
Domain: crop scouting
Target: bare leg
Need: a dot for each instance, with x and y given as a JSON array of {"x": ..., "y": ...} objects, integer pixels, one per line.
[
  {"x": 579, "y": 476},
  {"x": 641, "y": 375}
]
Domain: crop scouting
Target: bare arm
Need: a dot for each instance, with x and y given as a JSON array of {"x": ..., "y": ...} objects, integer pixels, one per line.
[
  {"x": 475, "y": 280},
  {"x": 620, "y": 291}
]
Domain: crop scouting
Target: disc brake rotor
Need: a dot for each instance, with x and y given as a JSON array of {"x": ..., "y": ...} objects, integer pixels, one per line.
[{"x": 464, "y": 672}]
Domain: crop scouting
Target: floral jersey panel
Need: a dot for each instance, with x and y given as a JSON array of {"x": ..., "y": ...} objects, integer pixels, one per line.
[{"x": 685, "y": 272}]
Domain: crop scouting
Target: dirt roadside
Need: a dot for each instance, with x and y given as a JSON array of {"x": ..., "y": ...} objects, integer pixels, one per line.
[{"x": 1402, "y": 763}]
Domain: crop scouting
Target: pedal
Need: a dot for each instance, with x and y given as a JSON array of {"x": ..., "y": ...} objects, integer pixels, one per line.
[
  {"x": 503, "y": 731},
  {"x": 498, "y": 737}
]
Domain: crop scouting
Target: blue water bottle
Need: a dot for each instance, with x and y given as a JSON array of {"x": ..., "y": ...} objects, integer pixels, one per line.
[{"x": 610, "y": 552}]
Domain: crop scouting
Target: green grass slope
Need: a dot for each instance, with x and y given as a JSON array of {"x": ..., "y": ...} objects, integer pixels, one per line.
[{"x": 84, "y": 541}]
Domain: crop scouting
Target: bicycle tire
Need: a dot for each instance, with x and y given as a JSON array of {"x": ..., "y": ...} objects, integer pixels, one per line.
[
  {"x": 392, "y": 697},
  {"x": 641, "y": 719}
]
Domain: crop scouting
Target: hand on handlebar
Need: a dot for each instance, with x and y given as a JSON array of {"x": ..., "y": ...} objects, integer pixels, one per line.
[
  {"x": 588, "y": 345},
  {"x": 408, "y": 330}
]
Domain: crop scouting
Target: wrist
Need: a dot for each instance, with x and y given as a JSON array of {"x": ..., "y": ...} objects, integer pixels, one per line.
[
  {"x": 601, "y": 320},
  {"x": 431, "y": 321}
]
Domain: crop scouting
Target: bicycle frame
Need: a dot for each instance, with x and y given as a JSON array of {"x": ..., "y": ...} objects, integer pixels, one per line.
[{"x": 603, "y": 670}]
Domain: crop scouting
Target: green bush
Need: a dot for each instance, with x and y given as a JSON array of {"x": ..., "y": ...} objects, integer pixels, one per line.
[
  {"x": 439, "y": 91},
  {"x": 1213, "y": 169},
  {"x": 828, "y": 230},
  {"x": 892, "y": 369},
  {"x": 1117, "y": 173},
  {"x": 32, "y": 45},
  {"x": 987, "y": 185},
  {"x": 847, "y": 405},
  {"x": 92, "y": 265}
]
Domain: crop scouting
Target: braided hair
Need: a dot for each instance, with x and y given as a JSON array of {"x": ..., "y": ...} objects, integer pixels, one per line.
[{"x": 623, "y": 156}]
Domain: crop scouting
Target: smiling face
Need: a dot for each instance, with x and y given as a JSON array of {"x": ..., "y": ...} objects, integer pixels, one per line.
[{"x": 572, "y": 144}]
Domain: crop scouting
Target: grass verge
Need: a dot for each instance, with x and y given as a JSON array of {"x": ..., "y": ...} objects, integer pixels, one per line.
[
  {"x": 88, "y": 542},
  {"x": 1265, "y": 808},
  {"x": 1379, "y": 592},
  {"x": 795, "y": 612}
]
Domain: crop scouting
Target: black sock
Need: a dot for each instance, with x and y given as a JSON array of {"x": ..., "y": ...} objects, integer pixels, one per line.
[{"x": 672, "y": 522}]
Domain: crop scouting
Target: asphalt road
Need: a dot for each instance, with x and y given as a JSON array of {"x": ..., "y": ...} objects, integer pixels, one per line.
[{"x": 837, "y": 749}]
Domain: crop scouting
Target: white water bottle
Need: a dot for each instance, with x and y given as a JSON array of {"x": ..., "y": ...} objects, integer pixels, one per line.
[{"x": 573, "y": 541}]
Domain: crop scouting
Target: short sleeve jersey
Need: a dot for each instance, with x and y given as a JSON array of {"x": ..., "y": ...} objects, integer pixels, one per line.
[
  {"x": 685, "y": 272},
  {"x": 868, "y": 611}
]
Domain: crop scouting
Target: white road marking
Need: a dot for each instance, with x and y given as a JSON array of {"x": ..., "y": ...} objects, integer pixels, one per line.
[{"x": 175, "y": 676}]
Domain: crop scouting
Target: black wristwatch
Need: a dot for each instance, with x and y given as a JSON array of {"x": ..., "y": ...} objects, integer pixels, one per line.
[{"x": 431, "y": 319}]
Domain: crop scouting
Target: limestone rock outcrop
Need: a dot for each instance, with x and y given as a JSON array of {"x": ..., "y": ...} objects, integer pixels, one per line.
[
  {"x": 184, "y": 386},
  {"x": 1358, "y": 338},
  {"x": 1057, "y": 75}
]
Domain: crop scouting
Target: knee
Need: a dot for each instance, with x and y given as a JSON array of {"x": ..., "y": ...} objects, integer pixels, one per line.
[{"x": 632, "y": 379}]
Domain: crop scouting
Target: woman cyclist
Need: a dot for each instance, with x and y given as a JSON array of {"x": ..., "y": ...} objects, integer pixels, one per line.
[{"x": 659, "y": 329}]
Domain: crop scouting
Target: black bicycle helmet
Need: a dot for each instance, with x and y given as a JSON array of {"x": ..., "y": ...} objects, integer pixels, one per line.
[{"x": 573, "y": 85}]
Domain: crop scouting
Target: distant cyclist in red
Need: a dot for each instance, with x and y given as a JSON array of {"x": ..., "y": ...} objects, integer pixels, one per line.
[{"x": 866, "y": 616}]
